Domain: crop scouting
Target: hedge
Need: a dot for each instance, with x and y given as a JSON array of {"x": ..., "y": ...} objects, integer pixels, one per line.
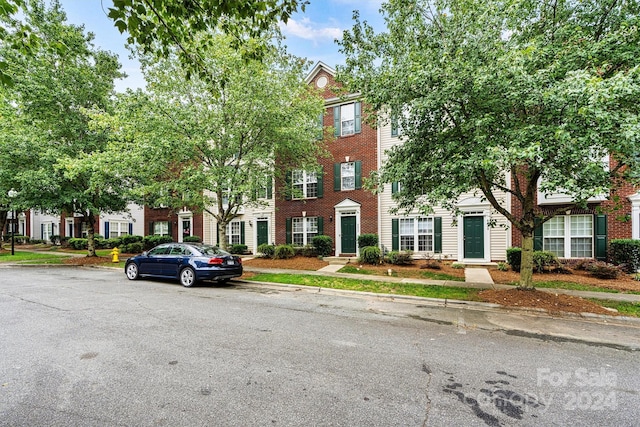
[{"x": 626, "y": 254}]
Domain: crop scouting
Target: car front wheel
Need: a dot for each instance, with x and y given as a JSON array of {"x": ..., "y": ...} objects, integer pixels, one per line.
[
  {"x": 132, "y": 271},
  {"x": 187, "y": 277}
]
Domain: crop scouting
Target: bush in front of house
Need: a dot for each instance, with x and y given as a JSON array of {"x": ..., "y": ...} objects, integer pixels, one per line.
[
  {"x": 543, "y": 260},
  {"x": 131, "y": 248},
  {"x": 192, "y": 239},
  {"x": 307, "y": 251},
  {"x": 323, "y": 245},
  {"x": 266, "y": 250},
  {"x": 150, "y": 242},
  {"x": 603, "y": 270},
  {"x": 370, "y": 255},
  {"x": 514, "y": 258},
  {"x": 367, "y": 239},
  {"x": 626, "y": 254},
  {"x": 78, "y": 243},
  {"x": 238, "y": 249},
  {"x": 284, "y": 252},
  {"x": 400, "y": 257}
]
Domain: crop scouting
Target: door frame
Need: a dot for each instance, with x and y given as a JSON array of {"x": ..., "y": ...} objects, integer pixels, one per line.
[
  {"x": 347, "y": 207},
  {"x": 183, "y": 216},
  {"x": 262, "y": 218},
  {"x": 474, "y": 207}
]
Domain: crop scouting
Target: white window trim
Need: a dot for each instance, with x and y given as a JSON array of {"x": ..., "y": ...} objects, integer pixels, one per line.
[
  {"x": 306, "y": 222},
  {"x": 352, "y": 168},
  {"x": 635, "y": 215},
  {"x": 308, "y": 177},
  {"x": 119, "y": 224},
  {"x": 568, "y": 236},
  {"x": 164, "y": 231}
]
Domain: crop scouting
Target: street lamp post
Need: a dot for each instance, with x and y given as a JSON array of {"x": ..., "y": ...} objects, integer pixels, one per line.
[{"x": 12, "y": 194}]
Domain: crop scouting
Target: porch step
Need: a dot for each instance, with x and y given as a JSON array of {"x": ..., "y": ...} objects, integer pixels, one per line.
[{"x": 340, "y": 260}]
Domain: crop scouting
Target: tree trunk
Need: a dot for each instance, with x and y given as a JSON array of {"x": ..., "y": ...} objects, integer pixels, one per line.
[
  {"x": 91, "y": 240},
  {"x": 222, "y": 233},
  {"x": 526, "y": 262}
]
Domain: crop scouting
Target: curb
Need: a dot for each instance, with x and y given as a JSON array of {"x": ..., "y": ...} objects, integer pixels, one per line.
[{"x": 450, "y": 303}]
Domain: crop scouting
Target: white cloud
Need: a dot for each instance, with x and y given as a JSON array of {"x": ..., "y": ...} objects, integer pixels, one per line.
[{"x": 308, "y": 30}]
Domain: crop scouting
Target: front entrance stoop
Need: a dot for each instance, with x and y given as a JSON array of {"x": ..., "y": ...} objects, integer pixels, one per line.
[{"x": 341, "y": 260}]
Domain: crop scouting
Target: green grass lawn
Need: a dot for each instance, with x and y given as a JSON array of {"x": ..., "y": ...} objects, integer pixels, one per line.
[
  {"x": 572, "y": 286},
  {"x": 429, "y": 275},
  {"x": 625, "y": 308},
  {"x": 32, "y": 257},
  {"x": 427, "y": 291}
]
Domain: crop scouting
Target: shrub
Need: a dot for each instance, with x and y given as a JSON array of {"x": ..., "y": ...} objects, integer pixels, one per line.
[
  {"x": 603, "y": 270},
  {"x": 365, "y": 240},
  {"x": 55, "y": 239},
  {"x": 238, "y": 249},
  {"x": 132, "y": 248},
  {"x": 193, "y": 239},
  {"x": 400, "y": 258},
  {"x": 370, "y": 255},
  {"x": 150, "y": 242},
  {"x": 266, "y": 250},
  {"x": 78, "y": 243},
  {"x": 542, "y": 260},
  {"x": 626, "y": 253},
  {"x": 323, "y": 245},
  {"x": 284, "y": 252},
  {"x": 115, "y": 242},
  {"x": 514, "y": 258},
  {"x": 502, "y": 266},
  {"x": 125, "y": 240},
  {"x": 308, "y": 251}
]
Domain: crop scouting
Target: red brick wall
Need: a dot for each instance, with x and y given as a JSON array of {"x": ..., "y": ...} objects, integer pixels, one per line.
[
  {"x": 362, "y": 147},
  {"x": 617, "y": 208}
]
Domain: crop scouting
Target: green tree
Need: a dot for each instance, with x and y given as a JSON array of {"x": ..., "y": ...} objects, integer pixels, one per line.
[
  {"x": 52, "y": 88},
  {"x": 508, "y": 96},
  {"x": 213, "y": 145},
  {"x": 169, "y": 27}
]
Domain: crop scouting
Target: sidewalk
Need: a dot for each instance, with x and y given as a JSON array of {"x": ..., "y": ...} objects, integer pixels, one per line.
[
  {"x": 610, "y": 331},
  {"x": 474, "y": 278}
]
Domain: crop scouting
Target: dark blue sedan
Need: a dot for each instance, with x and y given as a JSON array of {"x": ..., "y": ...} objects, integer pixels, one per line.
[{"x": 187, "y": 262}]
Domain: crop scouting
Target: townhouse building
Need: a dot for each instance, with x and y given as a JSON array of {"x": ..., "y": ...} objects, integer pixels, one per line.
[
  {"x": 475, "y": 234},
  {"x": 332, "y": 201}
]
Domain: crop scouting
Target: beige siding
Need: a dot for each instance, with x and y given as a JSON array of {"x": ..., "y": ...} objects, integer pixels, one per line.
[{"x": 496, "y": 238}]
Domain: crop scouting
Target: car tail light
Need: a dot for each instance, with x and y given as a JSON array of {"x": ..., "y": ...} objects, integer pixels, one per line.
[
  {"x": 216, "y": 261},
  {"x": 239, "y": 260}
]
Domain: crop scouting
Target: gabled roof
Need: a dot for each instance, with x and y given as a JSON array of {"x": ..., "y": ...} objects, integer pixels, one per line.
[{"x": 316, "y": 69}]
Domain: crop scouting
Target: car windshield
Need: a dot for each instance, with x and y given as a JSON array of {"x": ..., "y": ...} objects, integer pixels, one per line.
[{"x": 212, "y": 250}]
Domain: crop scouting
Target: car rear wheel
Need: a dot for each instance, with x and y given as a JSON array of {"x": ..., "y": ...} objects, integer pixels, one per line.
[
  {"x": 132, "y": 271},
  {"x": 187, "y": 277}
]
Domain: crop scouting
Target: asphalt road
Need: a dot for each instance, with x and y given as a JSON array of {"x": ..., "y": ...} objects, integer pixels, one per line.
[{"x": 87, "y": 347}]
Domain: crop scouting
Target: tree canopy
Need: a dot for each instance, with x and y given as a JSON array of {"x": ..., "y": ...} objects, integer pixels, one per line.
[
  {"x": 504, "y": 96},
  {"x": 162, "y": 28},
  {"x": 212, "y": 145},
  {"x": 63, "y": 159}
]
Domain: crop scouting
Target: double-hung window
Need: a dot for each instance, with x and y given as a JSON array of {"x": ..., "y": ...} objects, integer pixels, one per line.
[
  {"x": 233, "y": 234},
  {"x": 305, "y": 184},
  {"x": 346, "y": 119},
  {"x": 303, "y": 230},
  {"x": 569, "y": 236},
  {"x": 416, "y": 234},
  {"x": 161, "y": 228},
  {"x": 116, "y": 228},
  {"x": 348, "y": 176}
]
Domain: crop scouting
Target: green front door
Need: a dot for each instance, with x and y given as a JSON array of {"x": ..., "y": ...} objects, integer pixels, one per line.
[
  {"x": 263, "y": 232},
  {"x": 348, "y": 229},
  {"x": 473, "y": 237}
]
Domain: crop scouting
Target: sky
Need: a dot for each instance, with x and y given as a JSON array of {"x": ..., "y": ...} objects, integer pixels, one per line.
[{"x": 310, "y": 34}]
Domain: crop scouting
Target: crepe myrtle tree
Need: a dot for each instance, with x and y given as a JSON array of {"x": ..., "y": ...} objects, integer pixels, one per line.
[
  {"x": 60, "y": 161},
  {"x": 503, "y": 97},
  {"x": 211, "y": 144}
]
